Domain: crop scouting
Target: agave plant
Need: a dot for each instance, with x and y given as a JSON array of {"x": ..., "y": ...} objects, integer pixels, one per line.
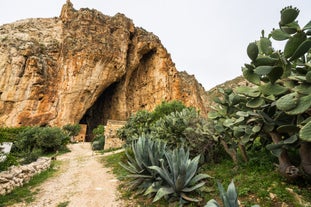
[
  {"x": 143, "y": 153},
  {"x": 179, "y": 175},
  {"x": 229, "y": 198}
]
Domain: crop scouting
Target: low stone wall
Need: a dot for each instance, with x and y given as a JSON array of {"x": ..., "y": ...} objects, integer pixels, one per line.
[
  {"x": 111, "y": 139},
  {"x": 16, "y": 176}
]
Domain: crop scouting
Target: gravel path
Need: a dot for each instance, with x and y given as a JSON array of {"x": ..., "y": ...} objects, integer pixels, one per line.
[{"x": 83, "y": 182}]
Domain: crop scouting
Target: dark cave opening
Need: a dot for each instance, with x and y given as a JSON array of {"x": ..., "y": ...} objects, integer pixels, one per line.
[{"x": 98, "y": 113}]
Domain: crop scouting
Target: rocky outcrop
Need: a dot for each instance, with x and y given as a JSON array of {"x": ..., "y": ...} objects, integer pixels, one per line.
[{"x": 85, "y": 67}]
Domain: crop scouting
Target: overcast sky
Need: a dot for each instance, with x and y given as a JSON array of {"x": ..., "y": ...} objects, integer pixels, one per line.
[{"x": 207, "y": 38}]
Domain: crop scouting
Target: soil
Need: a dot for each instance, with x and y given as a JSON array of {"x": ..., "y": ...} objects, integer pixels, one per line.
[{"x": 82, "y": 181}]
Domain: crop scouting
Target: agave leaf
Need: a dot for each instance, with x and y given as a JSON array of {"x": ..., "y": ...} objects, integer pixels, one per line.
[
  {"x": 192, "y": 188},
  {"x": 232, "y": 194},
  {"x": 139, "y": 176},
  {"x": 185, "y": 197},
  {"x": 192, "y": 169},
  {"x": 128, "y": 168},
  {"x": 199, "y": 177},
  {"x": 163, "y": 192},
  {"x": 222, "y": 194},
  {"x": 305, "y": 132},
  {"x": 212, "y": 203},
  {"x": 163, "y": 173},
  {"x": 151, "y": 189}
]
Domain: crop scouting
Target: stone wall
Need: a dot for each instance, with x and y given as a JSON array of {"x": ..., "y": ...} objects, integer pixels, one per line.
[
  {"x": 81, "y": 136},
  {"x": 111, "y": 139},
  {"x": 17, "y": 176}
]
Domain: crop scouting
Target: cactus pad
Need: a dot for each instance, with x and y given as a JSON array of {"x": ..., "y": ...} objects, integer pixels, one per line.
[
  {"x": 252, "y": 51},
  {"x": 287, "y": 102},
  {"x": 288, "y": 15}
]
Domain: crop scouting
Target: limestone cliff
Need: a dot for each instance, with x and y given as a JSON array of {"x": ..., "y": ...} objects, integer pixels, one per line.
[{"x": 85, "y": 67}]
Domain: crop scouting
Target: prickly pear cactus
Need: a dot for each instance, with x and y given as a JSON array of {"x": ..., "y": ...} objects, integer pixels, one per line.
[{"x": 282, "y": 80}]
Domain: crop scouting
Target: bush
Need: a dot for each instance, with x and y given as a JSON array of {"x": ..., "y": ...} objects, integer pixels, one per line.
[
  {"x": 136, "y": 125},
  {"x": 9, "y": 134},
  {"x": 98, "y": 142},
  {"x": 9, "y": 161},
  {"x": 186, "y": 128},
  {"x": 141, "y": 122},
  {"x": 51, "y": 139},
  {"x": 47, "y": 139},
  {"x": 166, "y": 108}
]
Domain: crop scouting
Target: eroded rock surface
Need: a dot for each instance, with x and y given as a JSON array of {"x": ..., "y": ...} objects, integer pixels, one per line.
[{"x": 85, "y": 67}]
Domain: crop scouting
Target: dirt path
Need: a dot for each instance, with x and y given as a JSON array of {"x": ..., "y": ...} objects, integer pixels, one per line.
[{"x": 82, "y": 181}]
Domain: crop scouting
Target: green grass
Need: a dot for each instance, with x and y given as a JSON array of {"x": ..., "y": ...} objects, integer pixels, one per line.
[
  {"x": 63, "y": 204},
  {"x": 27, "y": 192},
  {"x": 256, "y": 182}
]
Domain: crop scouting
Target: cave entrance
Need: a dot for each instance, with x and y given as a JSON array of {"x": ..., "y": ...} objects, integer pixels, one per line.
[{"x": 98, "y": 113}]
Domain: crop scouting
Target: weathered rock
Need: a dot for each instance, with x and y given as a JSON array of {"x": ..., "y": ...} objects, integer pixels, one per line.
[{"x": 85, "y": 67}]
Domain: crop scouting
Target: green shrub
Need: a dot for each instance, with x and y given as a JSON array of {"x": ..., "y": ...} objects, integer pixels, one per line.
[
  {"x": 9, "y": 134},
  {"x": 9, "y": 161},
  {"x": 47, "y": 139},
  {"x": 166, "y": 108},
  {"x": 50, "y": 139},
  {"x": 30, "y": 156},
  {"x": 136, "y": 125},
  {"x": 141, "y": 122},
  {"x": 98, "y": 142},
  {"x": 186, "y": 128}
]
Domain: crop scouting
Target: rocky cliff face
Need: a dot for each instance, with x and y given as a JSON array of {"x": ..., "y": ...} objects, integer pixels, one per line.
[{"x": 85, "y": 67}]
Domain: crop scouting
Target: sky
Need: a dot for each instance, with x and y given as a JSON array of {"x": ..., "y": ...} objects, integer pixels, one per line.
[{"x": 206, "y": 38}]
